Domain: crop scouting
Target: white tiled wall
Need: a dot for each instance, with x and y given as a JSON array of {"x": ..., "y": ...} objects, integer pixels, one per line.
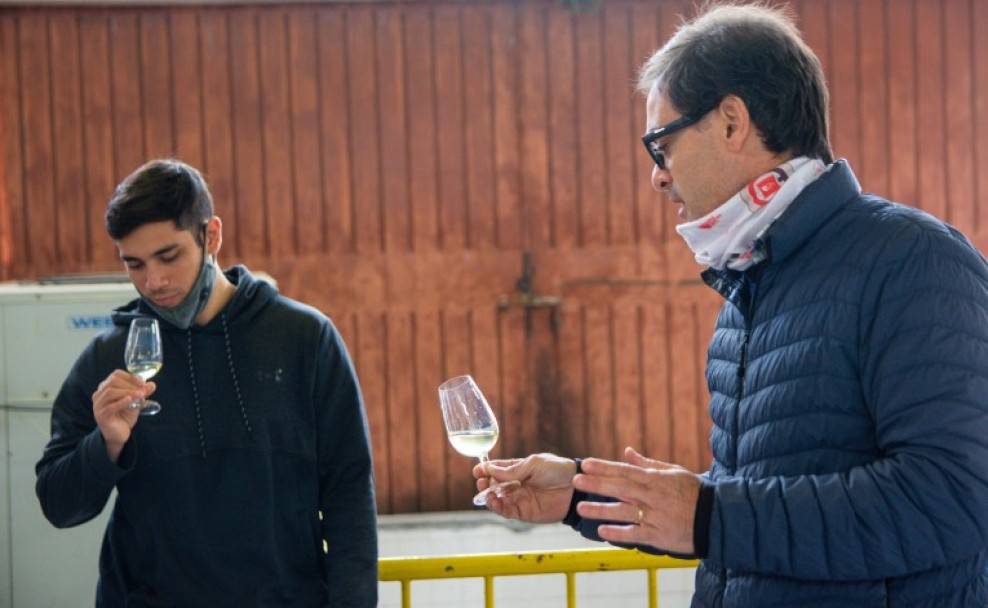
[{"x": 482, "y": 532}]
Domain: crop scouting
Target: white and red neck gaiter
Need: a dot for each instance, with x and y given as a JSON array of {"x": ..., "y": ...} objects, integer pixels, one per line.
[{"x": 724, "y": 237}]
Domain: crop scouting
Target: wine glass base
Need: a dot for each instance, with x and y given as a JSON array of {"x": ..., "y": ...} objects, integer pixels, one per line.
[
  {"x": 147, "y": 407},
  {"x": 480, "y": 499}
]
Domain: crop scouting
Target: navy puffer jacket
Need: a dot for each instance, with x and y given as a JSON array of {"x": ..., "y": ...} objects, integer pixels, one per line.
[{"x": 849, "y": 395}]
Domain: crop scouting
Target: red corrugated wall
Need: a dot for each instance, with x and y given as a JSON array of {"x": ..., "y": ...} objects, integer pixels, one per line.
[{"x": 408, "y": 166}]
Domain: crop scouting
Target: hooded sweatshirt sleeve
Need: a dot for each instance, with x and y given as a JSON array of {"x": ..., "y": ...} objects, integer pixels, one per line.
[
  {"x": 75, "y": 475},
  {"x": 346, "y": 485}
]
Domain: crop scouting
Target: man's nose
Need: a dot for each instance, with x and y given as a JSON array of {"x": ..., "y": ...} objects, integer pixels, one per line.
[
  {"x": 661, "y": 179},
  {"x": 155, "y": 279}
]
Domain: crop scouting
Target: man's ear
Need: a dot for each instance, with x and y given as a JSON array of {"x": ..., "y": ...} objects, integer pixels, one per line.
[
  {"x": 214, "y": 235},
  {"x": 735, "y": 121}
]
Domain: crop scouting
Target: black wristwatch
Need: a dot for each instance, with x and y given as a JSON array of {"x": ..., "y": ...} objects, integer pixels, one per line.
[{"x": 572, "y": 517}]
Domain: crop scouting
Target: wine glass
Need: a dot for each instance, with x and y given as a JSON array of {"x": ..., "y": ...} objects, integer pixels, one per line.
[
  {"x": 470, "y": 423},
  {"x": 143, "y": 358}
]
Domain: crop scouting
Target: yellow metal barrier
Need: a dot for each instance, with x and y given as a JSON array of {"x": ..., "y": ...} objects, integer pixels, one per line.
[{"x": 404, "y": 570}]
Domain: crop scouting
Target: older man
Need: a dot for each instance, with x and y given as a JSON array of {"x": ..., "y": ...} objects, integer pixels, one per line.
[{"x": 848, "y": 370}]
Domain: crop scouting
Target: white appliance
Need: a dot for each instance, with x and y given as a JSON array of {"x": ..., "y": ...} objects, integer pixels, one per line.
[{"x": 43, "y": 328}]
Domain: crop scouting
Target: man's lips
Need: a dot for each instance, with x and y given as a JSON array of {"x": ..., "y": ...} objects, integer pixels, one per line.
[{"x": 165, "y": 301}]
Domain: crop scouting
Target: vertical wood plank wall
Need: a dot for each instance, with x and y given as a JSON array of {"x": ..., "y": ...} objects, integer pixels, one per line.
[{"x": 396, "y": 164}]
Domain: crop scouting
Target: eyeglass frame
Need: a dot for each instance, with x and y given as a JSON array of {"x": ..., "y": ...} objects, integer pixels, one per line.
[{"x": 664, "y": 131}]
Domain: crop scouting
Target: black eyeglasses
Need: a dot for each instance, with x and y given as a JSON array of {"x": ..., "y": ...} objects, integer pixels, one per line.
[{"x": 651, "y": 139}]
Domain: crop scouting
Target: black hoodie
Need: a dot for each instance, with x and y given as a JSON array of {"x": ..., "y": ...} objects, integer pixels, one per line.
[{"x": 260, "y": 453}]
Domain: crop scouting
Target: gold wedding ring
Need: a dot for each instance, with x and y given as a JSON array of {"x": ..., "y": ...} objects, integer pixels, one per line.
[{"x": 641, "y": 513}]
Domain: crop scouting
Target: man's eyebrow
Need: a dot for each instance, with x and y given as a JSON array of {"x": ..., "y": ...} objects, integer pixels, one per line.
[{"x": 164, "y": 250}]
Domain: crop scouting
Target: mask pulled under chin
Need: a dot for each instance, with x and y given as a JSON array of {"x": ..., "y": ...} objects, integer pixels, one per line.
[
  {"x": 183, "y": 314},
  {"x": 724, "y": 238}
]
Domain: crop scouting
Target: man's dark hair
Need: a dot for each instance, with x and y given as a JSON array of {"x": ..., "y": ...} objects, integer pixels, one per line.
[
  {"x": 159, "y": 191},
  {"x": 757, "y": 53}
]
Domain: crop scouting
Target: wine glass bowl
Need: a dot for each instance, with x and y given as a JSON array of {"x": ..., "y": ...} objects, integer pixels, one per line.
[
  {"x": 143, "y": 358},
  {"x": 470, "y": 424}
]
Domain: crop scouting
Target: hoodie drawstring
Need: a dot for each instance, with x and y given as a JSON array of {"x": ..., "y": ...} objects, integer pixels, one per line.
[
  {"x": 195, "y": 394},
  {"x": 236, "y": 384},
  {"x": 236, "y": 387}
]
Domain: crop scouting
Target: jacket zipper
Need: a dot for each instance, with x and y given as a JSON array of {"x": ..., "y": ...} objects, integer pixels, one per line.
[{"x": 746, "y": 314}]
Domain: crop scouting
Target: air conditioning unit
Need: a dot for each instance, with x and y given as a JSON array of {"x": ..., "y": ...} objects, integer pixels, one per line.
[{"x": 44, "y": 325}]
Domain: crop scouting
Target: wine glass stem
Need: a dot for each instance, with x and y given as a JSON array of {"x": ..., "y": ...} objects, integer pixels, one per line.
[{"x": 491, "y": 484}]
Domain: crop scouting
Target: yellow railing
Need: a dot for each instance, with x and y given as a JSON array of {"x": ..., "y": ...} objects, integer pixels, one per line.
[{"x": 404, "y": 570}]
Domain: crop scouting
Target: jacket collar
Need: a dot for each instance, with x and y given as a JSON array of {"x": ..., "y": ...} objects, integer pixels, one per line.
[{"x": 816, "y": 204}]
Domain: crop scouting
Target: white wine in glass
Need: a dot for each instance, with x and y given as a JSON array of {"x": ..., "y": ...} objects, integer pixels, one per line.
[
  {"x": 473, "y": 443},
  {"x": 143, "y": 358},
  {"x": 470, "y": 423}
]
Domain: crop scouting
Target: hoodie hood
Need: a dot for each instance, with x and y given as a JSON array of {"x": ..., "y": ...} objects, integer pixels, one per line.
[{"x": 250, "y": 297}]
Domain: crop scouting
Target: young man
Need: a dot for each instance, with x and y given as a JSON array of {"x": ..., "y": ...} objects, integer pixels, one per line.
[
  {"x": 847, "y": 371},
  {"x": 253, "y": 486}
]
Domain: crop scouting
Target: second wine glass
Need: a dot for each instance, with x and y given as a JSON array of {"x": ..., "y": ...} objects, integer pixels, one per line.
[
  {"x": 143, "y": 358},
  {"x": 470, "y": 423}
]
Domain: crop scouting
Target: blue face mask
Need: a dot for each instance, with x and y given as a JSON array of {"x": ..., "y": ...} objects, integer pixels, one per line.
[{"x": 183, "y": 314}]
